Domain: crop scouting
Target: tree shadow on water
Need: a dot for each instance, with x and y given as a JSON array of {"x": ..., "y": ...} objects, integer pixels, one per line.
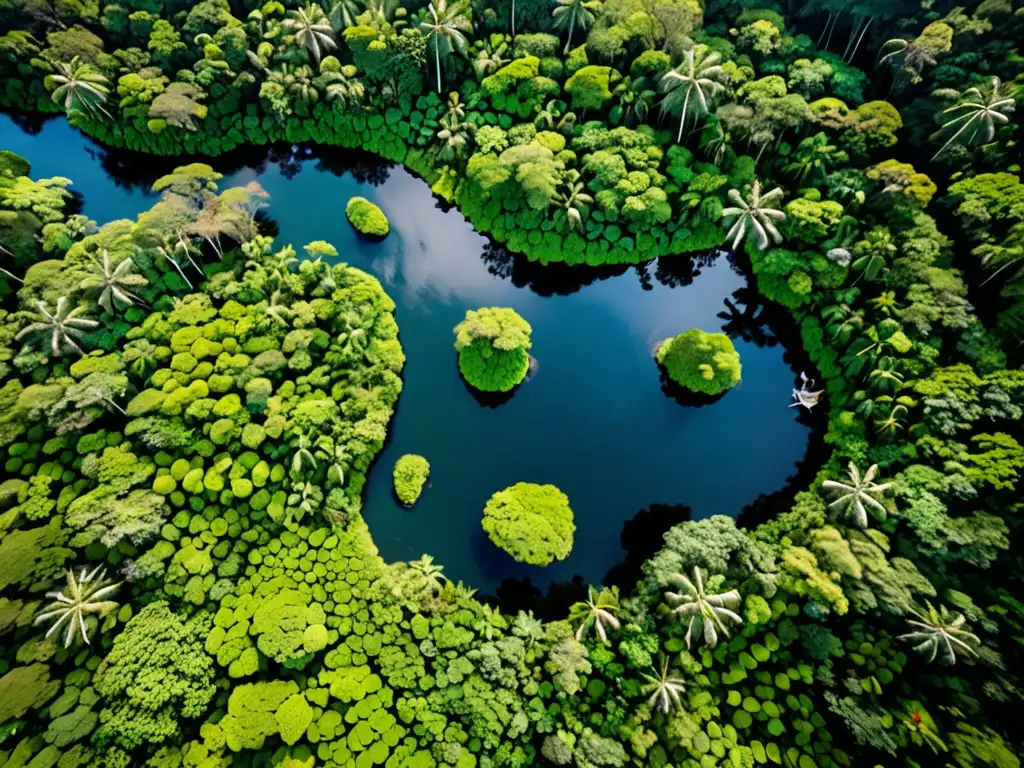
[
  {"x": 489, "y": 399},
  {"x": 518, "y": 590},
  {"x": 641, "y": 537},
  {"x": 554, "y": 279},
  {"x": 516, "y": 595},
  {"x": 680, "y": 271},
  {"x": 748, "y": 318},
  {"x": 686, "y": 397},
  {"x": 366, "y": 168}
]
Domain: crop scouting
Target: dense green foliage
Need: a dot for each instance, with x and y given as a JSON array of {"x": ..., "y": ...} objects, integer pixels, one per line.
[
  {"x": 531, "y": 522},
  {"x": 186, "y": 403},
  {"x": 701, "y": 362},
  {"x": 410, "y": 475},
  {"x": 493, "y": 344},
  {"x": 367, "y": 217}
]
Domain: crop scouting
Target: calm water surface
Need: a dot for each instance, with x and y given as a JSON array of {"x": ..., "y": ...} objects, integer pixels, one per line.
[{"x": 593, "y": 420}]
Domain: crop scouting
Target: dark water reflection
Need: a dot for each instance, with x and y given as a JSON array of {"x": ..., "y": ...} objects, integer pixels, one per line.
[{"x": 593, "y": 420}]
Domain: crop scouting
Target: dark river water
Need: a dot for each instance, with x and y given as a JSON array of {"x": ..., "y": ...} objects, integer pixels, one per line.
[{"x": 593, "y": 420}]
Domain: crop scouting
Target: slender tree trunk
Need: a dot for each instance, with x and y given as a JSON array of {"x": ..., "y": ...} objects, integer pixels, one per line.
[
  {"x": 860, "y": 39},
  {"x": 853, "y": 34},
  {"x": 437, "y": 62},
  {"x": 513, "y": 26},
  {"x": 568, "y": 43},
  {"x": 682, "y": 117},
  {"x": 835, "y": 21},
  {"x": 824, "y": 29}
]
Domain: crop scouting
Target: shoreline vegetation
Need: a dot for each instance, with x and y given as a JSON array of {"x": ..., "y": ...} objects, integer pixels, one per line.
[{"x": 188, "y": 409}]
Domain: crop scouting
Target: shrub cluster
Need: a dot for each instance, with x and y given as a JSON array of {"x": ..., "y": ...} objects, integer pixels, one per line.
[
  {"x": 367, "y": 217},
  {"x": 531, "y": 522},
  {"x": 493, "y": 344},
  {"x": 410, "y": 475},
  {"x": 702, "y": 362}
]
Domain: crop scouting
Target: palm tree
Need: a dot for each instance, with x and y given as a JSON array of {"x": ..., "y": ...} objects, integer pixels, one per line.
[
  {"x": 633, "y": 98},
  {"x": 715, "y": 612},
  {"x": 858, "y": 495},
  {"x": 83, "y": 595},
  {"x": 336, "y": 472},
  {"x": 689, "y": 86},
  {"x": 915, "y": 54},
  {"x": 489, "y": 58},
  {"x": 572, "y": 198},
  {"x": 342, "y": 13},
  {"x": 598, "y": 613},
  {"x": 573, "y": 13},
  {"x": 79, "y": 87},
  {"x": 311, "y": 29},
  {"x": 664, "y": 689},
  {"x": 977, "y": 111},
  {"x": 171, "y": 254},
  {"x": 893, "y": 422},
  {"x": 114, "y": 284},
  {"x": 886, "y": 377},
  {"x": 528, "y": 628},
  {"x": 758, "y": 215},
  {"x": 303, "y": 455},
  {"x": 940, "y": 630},
  {"x": 63, "y": 325},
  {"x": 446, "y": 30},
  {"x": 433, "y": 574},
  {"x": 454, "y": 135},
  {"x": 278, "y": 309},
  {"x": 813, "y": 158}
]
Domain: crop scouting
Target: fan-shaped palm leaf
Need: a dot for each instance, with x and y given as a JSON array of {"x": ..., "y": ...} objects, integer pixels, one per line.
[
  {"x": 445, "y": 29},
  {"x": 79, "y": 87},
  {"x": 311, "y": 29},
  {"x": 755, "y": 217},
  {"x": 936, "y": 631},
  {"x": 597, "y": 612},
  {"x": 113, "y": 284},
  {"x": 714, "y": 611},
  {"x": 84, "y": 595},
  {"x": 977, "y": 113},
  {"x": 664, "y": 689},
  {"x": 857, "y": 496},
  {"x": 572, "y": 14},
  {"x": 689, "y": 87},
  {"x": 64, "y": 326}
]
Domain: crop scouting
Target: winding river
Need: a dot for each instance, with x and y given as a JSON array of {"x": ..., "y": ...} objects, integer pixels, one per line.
[{"x": 593, "y": 420}]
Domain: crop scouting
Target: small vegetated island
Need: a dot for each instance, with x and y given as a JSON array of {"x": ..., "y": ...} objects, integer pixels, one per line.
[
  {"x": 706, "y": 363},
  {"x": 367, "y": 217},
  {"x": 493, "y": 344},
  {"x": 531, "y": 522},
  {"x": 410, "y": 475}
]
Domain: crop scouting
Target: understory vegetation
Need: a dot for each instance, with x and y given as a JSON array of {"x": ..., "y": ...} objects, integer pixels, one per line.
[{"x": 188, "y": 409}]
